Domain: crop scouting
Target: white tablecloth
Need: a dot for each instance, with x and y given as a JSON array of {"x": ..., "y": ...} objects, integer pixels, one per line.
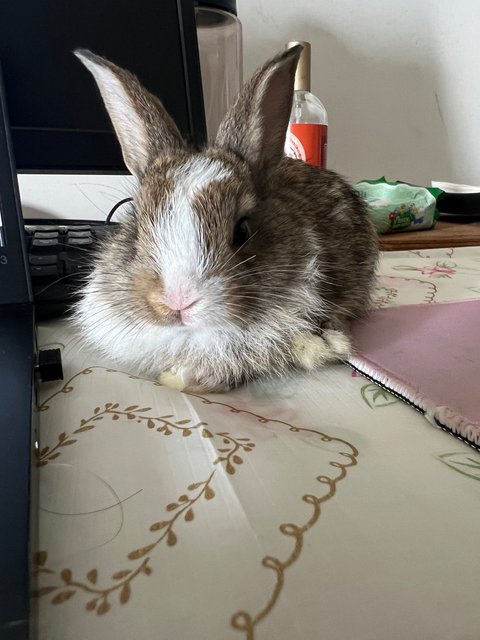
[{"x": 314, "y": 507}]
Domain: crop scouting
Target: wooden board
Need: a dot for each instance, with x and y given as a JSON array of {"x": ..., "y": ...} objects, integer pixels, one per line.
[{"x": 444, "y": 234}]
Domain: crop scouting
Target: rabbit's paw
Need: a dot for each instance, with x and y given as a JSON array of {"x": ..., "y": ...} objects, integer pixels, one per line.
[
  {"x": 339, "y": 343},
  {"x": 172, "y": 380},
  {"x": 311, "y": 351},
  {"x": 184, "y": 380}
]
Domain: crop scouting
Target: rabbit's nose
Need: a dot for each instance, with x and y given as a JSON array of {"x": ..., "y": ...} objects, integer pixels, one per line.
[{"x": 179, "y": 300}]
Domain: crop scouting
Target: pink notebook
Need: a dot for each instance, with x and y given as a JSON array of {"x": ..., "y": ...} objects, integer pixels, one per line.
[{"x": 428, "y": 355}]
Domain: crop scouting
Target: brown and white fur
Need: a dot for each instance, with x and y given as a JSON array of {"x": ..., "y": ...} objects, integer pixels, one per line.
[{"x": 236, "y": 262}]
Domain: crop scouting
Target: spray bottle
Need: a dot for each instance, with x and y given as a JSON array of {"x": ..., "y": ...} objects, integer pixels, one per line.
[{"x": 308, "y": 129}]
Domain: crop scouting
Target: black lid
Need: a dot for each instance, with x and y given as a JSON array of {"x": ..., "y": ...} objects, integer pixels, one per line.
[{"x": 226, "y": 5}]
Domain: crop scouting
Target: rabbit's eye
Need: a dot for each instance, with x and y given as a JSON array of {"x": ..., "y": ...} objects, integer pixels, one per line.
[{"x": 242, "y": 232}]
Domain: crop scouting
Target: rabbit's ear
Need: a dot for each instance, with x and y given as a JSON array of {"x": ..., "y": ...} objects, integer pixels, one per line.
[
  {"x": 256, "y": 125},
  {"x": 143, "y": 127}
]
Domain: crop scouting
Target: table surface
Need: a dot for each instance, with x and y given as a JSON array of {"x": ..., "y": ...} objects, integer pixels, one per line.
[
  {"x": 319, "y": 506},
  {"x": 444, "y": 234}
]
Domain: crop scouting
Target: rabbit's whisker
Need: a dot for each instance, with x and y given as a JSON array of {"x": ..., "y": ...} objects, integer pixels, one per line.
[
  {"x": 239, "y": 248},
  {"x": 240, "y": 263}
]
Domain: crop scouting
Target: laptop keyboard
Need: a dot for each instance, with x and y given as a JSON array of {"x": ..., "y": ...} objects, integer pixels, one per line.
[{"x": 60, "y": 255}]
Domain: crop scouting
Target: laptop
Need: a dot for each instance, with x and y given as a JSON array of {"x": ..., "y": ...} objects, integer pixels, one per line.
[{"x": 17, "y": 427}]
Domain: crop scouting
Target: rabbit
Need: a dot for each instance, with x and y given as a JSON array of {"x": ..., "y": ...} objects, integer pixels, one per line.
[{"x": 236, "y": 262}]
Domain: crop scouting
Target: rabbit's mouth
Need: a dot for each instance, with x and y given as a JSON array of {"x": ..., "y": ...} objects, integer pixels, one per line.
[
  {"x": 181, "y": 318},
  {"x": 167, "y": 316},
  {"x": 184, "y": 317}
]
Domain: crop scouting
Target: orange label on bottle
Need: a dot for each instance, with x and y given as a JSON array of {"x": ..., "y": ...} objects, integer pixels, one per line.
[{"x": 307, "y": 142}]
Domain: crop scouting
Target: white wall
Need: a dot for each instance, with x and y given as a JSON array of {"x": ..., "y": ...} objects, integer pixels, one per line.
[{"x": 400, "y": 80}]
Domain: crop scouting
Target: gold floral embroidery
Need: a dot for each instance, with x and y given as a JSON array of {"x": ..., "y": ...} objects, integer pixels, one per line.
[
  {"x": 183, "y": 506},
  {"x": 70, "y": 586},
  {"x": 68, "y": 387},
  {"x": 242, "y": 620},
  {"x": 246, "y": 622},
  {"x": 229, "y": 455},
  {"x": 163, "y": 424}
]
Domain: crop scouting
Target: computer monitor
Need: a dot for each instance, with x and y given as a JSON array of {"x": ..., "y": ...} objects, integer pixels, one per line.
[
  {"x": 58, "y": 124},
  {"x": 57, "y": 119}
]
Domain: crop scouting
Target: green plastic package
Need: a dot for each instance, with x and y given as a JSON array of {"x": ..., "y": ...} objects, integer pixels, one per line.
[{"x": 398, "y": 206}]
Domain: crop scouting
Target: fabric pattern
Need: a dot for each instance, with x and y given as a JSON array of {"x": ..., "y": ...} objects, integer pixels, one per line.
[{"x": 315, "y": 506}]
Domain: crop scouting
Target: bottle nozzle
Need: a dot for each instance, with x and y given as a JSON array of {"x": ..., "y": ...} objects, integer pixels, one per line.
[{"x": 302, "y": 75}]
